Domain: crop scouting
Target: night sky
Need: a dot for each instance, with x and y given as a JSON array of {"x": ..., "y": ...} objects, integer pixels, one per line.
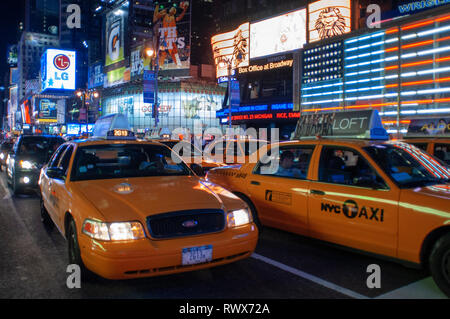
[{"x": 11, "y": 13}]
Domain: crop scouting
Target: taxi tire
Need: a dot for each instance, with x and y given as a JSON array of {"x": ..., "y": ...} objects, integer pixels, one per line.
[
  {"x": 45, "y": 217},
  {"x": 439, "y": 262},
  {"x": 74, "y": 253}
]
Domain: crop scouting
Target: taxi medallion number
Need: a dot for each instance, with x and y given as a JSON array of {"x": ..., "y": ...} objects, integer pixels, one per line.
[{"x": 196, "y": 255}]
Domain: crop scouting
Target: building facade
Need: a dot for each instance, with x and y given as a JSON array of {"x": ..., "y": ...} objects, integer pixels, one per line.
[{"x": 401, "y": 69}]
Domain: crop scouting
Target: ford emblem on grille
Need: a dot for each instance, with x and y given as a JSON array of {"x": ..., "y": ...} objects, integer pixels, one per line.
[{"x": 189, "y": 223}]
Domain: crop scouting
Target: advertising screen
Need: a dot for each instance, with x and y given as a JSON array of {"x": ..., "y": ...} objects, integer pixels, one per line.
[
  {"x": 73, "y": 129},
  {"x": 95, "y": 75},
  {"x": 58, "y": 70},
  {"x": 328, "y": 18},
  {"x": 284, "y": 33},
  {"x": 429, "y": 127},
  {"x": 115, "y": 29},
  {"x": 11, "y": 55},
  {"x": 46, "y": 108},
  {"x": 232, "y": 46},
  {"x": 172, "y": 22}
]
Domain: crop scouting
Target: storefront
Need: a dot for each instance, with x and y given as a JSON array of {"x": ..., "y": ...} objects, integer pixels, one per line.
[{"x": 181, "y": 105}]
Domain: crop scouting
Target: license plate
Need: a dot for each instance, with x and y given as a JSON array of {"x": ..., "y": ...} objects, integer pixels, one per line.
[{"x": 196, "y": 255}]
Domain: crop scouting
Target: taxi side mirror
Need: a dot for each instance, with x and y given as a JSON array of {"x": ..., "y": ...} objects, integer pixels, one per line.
[
  {"x": 55, "y": 172},
  {"x": 198, "y": 169}
]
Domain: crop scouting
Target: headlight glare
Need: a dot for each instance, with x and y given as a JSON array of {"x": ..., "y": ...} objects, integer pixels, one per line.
[
  {"x": 2, "y": 156},
  {"x": 238, "y": 218},
  {"x": 113, "y": 231},
  {"x": 27, "y": 165}
]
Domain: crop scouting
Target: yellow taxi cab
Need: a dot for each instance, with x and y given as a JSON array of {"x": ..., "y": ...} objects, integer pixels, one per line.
[
  {"x": 432, "y": 136},
  {"x": 131, "y": 208},
  {"x": 385, "y": 197},
  {"x": 233, "y": 150}
]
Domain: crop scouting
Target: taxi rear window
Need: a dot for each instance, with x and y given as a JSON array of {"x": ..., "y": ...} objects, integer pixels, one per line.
[{"x": 125, "y": 161}]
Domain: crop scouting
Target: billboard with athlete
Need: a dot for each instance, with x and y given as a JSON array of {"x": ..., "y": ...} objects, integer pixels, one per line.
[{"x": 172, "y": 24}]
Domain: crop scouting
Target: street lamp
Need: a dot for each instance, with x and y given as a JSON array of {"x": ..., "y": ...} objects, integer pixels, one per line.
[
  {"x": 150, "y": 52},
  {"x": 84, "y": 95},
  {"x": 227, "y": 62}
]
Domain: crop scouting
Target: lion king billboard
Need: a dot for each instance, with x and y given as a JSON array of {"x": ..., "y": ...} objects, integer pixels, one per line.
[{"x": 329, "y": 18}]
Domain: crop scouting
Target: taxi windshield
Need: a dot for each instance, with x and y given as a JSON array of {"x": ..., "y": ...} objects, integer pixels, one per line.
[
  {"x": 407, "y": 165},
  {"x": 125, "y": 161}
]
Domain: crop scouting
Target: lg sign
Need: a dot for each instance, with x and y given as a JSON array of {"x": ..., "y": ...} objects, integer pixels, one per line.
[
  {"x": 61, "y": 62},
  {"x": 58, "y": 70}
]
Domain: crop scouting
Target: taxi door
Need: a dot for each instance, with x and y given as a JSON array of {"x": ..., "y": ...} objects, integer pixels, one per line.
[
  {"x": 46, "y": 182},
  {"x": 59, "y": 193},
  {"x": 279, "y": 188},
  {"x": 351, "y": 204}
]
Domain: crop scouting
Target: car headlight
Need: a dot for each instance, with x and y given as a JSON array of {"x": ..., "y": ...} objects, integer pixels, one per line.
[
  {"x": 27, "y": 165},
  {"x": 113, "y": 231},
  {"x": 2, "y": 156},
  {"x": 238, "y": 217}
]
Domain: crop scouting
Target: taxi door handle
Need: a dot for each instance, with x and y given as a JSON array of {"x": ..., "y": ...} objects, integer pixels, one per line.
[
  {"x": 316, "y": 192},
  {"x": 255, "y": 183}
]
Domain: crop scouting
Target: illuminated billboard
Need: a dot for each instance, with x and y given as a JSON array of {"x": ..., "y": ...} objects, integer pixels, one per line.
[
  {"x": 280, "y": 34},
  {"x": 115, "y": 30},
  {"x": 328, "y": 18},
  {"x": 231, "y": 46},
  {"x": 172, "y": 21},
  {"x": 46, "y": 109},
  {"x": 58, "y": 70}
]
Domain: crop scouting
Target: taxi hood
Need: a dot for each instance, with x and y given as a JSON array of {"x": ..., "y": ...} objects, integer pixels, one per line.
[{"x": 136, "y": 198}]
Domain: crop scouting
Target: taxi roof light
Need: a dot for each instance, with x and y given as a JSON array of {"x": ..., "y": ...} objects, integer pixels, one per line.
[
  {"x": 113, "y": 127},
  {"x": 349, "y": 124}
]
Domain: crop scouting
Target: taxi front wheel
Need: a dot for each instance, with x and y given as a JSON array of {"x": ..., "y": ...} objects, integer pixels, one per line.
[
  {"x": 74, "y": 251},
  {"x": 440, "y": 263}
]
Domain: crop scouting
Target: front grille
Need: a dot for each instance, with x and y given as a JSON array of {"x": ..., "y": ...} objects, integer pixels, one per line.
[{"x": 186, "y": 223}]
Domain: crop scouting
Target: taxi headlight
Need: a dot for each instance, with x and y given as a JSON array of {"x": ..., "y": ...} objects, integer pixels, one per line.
[
  {"x": 27, "y": 165},
  {"x": 238, "y": 217},
  {"x": 113, "y": 231}
]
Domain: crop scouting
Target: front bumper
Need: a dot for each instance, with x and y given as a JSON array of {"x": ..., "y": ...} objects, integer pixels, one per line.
[
  {"x": 147, "y": 257},
  {"x": 27, "y": 179}
]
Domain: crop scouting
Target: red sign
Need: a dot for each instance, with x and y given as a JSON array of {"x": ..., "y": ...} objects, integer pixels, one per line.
[{"x": 61, "y": 62}]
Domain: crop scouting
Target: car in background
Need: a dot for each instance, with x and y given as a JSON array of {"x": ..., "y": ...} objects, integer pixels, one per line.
[
  {"x": 191, "y": 154},
  {"x": 5, "y": 148},
  {"x": 232, "y": 151},
  {"x": 27, "y": 157}
]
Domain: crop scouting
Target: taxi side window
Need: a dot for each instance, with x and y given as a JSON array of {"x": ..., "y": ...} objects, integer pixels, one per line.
[
  {"x": 442, "y": 151},
  {"x": 348, "y": 167},
  {"x": 54, "y": 160},
  {"x": 65, "y": 160},
  {"x": 288, "y": 161}
]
